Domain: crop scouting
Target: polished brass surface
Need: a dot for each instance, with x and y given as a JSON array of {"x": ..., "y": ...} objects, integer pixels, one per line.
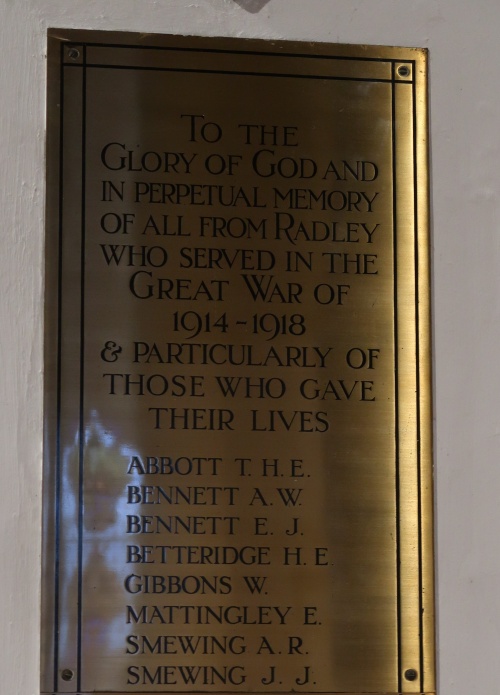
[{"x": 238, "y": 484}]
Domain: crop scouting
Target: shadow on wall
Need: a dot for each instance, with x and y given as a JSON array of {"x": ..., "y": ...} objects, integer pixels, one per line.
[{"x": 252, "y": 6}]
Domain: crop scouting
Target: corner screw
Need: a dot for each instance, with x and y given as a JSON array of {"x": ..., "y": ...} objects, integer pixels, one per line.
[
  {"x": 73, "y": 53},
  {"x": 67, "y": 674},
  {"x": 411, "y": 674},
  {"x": 404, "y": 71}
]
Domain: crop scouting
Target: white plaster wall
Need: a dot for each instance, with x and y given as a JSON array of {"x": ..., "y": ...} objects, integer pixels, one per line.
[{"x": 465, "y": 105}]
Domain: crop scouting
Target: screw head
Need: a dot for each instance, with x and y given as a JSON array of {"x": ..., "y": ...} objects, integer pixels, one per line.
[
  {"x": 73, "y": 53},
  {"x": 404, "y": 71},
  {"x": 67, "y": 674},
  {"x": 411, "y": 674}
]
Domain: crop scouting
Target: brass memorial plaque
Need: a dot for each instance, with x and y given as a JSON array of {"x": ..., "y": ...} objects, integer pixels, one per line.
[{"x": 238, "y": 414}]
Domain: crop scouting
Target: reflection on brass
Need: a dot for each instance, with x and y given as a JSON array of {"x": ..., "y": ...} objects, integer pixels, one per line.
[{"x": 238, "y": 444}]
